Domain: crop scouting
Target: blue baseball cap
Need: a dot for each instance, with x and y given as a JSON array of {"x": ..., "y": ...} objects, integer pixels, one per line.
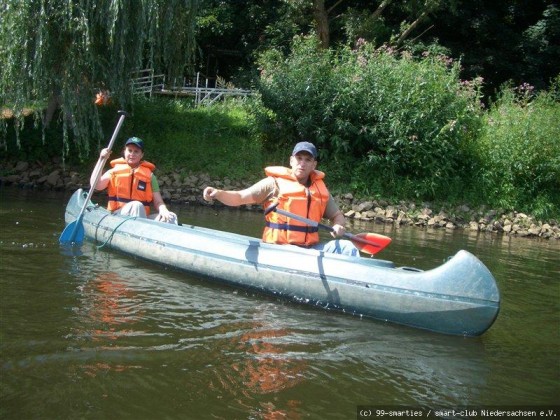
[
  {"x": 135, "y": 141},
  {"x": 305, "y": 146}
]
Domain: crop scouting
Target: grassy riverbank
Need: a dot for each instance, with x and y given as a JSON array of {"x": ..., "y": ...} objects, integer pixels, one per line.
[{"x": 225, "y": 141}]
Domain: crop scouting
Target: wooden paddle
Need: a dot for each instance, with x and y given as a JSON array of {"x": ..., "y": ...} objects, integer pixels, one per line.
[
  {"x": 369, "y": 243},
  {"x": 73, "y": 233}
]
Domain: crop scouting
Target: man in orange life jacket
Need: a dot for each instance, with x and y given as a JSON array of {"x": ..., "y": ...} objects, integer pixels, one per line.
[
  {"x": 132, "y": 185},
  {"x": 300, "y": 190}
]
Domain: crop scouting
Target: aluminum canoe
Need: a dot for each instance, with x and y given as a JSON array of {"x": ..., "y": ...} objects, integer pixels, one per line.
[{"x": 459, "y": 297}]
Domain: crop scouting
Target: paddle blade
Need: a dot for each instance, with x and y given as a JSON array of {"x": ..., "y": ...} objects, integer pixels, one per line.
[
  {"x": 73, "y": 233},
  {"x": 370, "y": 243}
]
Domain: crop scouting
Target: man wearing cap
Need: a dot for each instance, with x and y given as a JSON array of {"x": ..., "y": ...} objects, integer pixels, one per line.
[
  {"x": 299, "y": 189},
  {"x": 132, "y": 186}
]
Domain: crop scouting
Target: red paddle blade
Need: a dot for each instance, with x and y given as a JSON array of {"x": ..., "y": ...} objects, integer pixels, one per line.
[{"x": 370, "y": 243}]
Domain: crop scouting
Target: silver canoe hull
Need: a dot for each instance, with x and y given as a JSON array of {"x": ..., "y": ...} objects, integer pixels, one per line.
[{"x": 459, "y": 297}]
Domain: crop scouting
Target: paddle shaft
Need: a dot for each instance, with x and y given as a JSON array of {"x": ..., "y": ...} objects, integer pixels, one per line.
[
  {"x": 317, "y": 224},
  {"x": 97, "y": 174}
]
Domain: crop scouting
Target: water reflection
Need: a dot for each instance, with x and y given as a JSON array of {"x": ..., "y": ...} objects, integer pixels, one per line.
[
  {"x": 107, "y": 304},
  {"x": 267, "y": 368},
  {"x": 266, "y": 362}
]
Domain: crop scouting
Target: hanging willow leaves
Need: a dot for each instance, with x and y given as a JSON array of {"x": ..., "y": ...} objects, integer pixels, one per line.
[{"x": 57, "y": 54}]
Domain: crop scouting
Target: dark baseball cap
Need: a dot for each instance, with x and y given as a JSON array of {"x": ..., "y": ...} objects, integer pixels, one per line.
[
  {"x": 135, "y": 141},
  {"x": 305, "y": 146}
]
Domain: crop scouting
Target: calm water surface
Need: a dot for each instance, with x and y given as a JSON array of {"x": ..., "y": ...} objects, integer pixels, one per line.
[{"x": 101, "y": 335}]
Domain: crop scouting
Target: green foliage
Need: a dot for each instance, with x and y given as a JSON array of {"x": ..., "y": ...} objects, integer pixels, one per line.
[
  {"x": 361, "y": 23},
  {"x": 62, "y": 52},
  {"x": 25, "y": 140},
  {"x": 519, "y": 151},
  {"x": 296, "y": 89},
  {"x": 218, "y": 140},
  {"x": 214, "y": 140},
  {"x": 398, "y": 117},
  {"x": 540, "y": 47},
  {"x": 497, "y": 40},
  {"x": 503, "y": 41}
]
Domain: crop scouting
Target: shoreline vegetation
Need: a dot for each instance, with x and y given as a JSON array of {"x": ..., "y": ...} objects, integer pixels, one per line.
[
  {"x": 178, "y": 188},
  {"x": 394, "y": 151}
]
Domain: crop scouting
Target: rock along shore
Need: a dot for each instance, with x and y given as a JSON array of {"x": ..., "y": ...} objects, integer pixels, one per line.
[{"x": 180, "y": 189}]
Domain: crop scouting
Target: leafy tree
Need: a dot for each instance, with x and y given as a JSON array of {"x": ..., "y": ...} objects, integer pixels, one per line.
[
  {"x": 232, "y": 33},
  {"x": 498, "y": 41},
  {"x": 503, "y": 40},
  {"x": 410, "y": 14},
  {"x": 540, "y": 49},
  {"x": 59, "y": 53}
]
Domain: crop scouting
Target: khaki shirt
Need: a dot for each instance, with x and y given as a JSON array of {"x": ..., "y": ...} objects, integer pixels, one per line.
[{"x": 267, "y": 189}]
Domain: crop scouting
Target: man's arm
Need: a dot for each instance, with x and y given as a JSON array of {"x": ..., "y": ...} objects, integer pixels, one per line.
[
  {"x": 255, "y": 194},
  {"x": 229, "y": 198},
  {"x": 338, "y": 221}
]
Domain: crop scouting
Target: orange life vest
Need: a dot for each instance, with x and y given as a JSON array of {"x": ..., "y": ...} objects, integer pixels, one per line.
[
  {"x": 129, "y": 184},
  {"x": 294, "y": 197}
]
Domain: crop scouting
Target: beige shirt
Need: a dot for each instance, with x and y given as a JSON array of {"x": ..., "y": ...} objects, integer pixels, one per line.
[{"x": 267, "y": 189}]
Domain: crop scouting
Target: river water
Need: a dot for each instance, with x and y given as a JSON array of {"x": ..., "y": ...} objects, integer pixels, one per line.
[{"x": 100, "y": 335}]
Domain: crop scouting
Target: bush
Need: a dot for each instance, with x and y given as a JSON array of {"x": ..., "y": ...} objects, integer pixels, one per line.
[
  {"x": 397, "y": 117},
  {"x": 297, "y": 92},
  {"x": 519, "y": 151}
]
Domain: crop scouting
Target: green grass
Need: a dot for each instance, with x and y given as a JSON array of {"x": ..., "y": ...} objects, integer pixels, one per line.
[{"x": 214, "y": 140}]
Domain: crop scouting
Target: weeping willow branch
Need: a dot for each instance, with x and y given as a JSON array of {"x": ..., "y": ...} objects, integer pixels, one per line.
[{"x": 55, "y": 54}]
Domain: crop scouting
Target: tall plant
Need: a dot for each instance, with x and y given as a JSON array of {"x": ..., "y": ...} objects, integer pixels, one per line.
[
  {"x": 398, "y": 116},
  {"x": 59, "y": 53},
  {"x": 519, "y": 150}
]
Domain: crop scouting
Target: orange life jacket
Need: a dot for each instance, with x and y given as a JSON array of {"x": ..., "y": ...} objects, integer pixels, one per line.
[
  {"x": 309, "y": 202},
  {"x": 129, "y": 184}
]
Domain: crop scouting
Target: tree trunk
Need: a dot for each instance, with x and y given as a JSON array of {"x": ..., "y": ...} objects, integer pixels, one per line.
[
  {"x": 412, "y": 26},
  {"x": 381, "y": 8},
  {"x": 321, "y": 18}
]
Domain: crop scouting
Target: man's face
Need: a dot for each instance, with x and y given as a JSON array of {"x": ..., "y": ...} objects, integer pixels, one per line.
[{"x": 302, "y": 164}]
